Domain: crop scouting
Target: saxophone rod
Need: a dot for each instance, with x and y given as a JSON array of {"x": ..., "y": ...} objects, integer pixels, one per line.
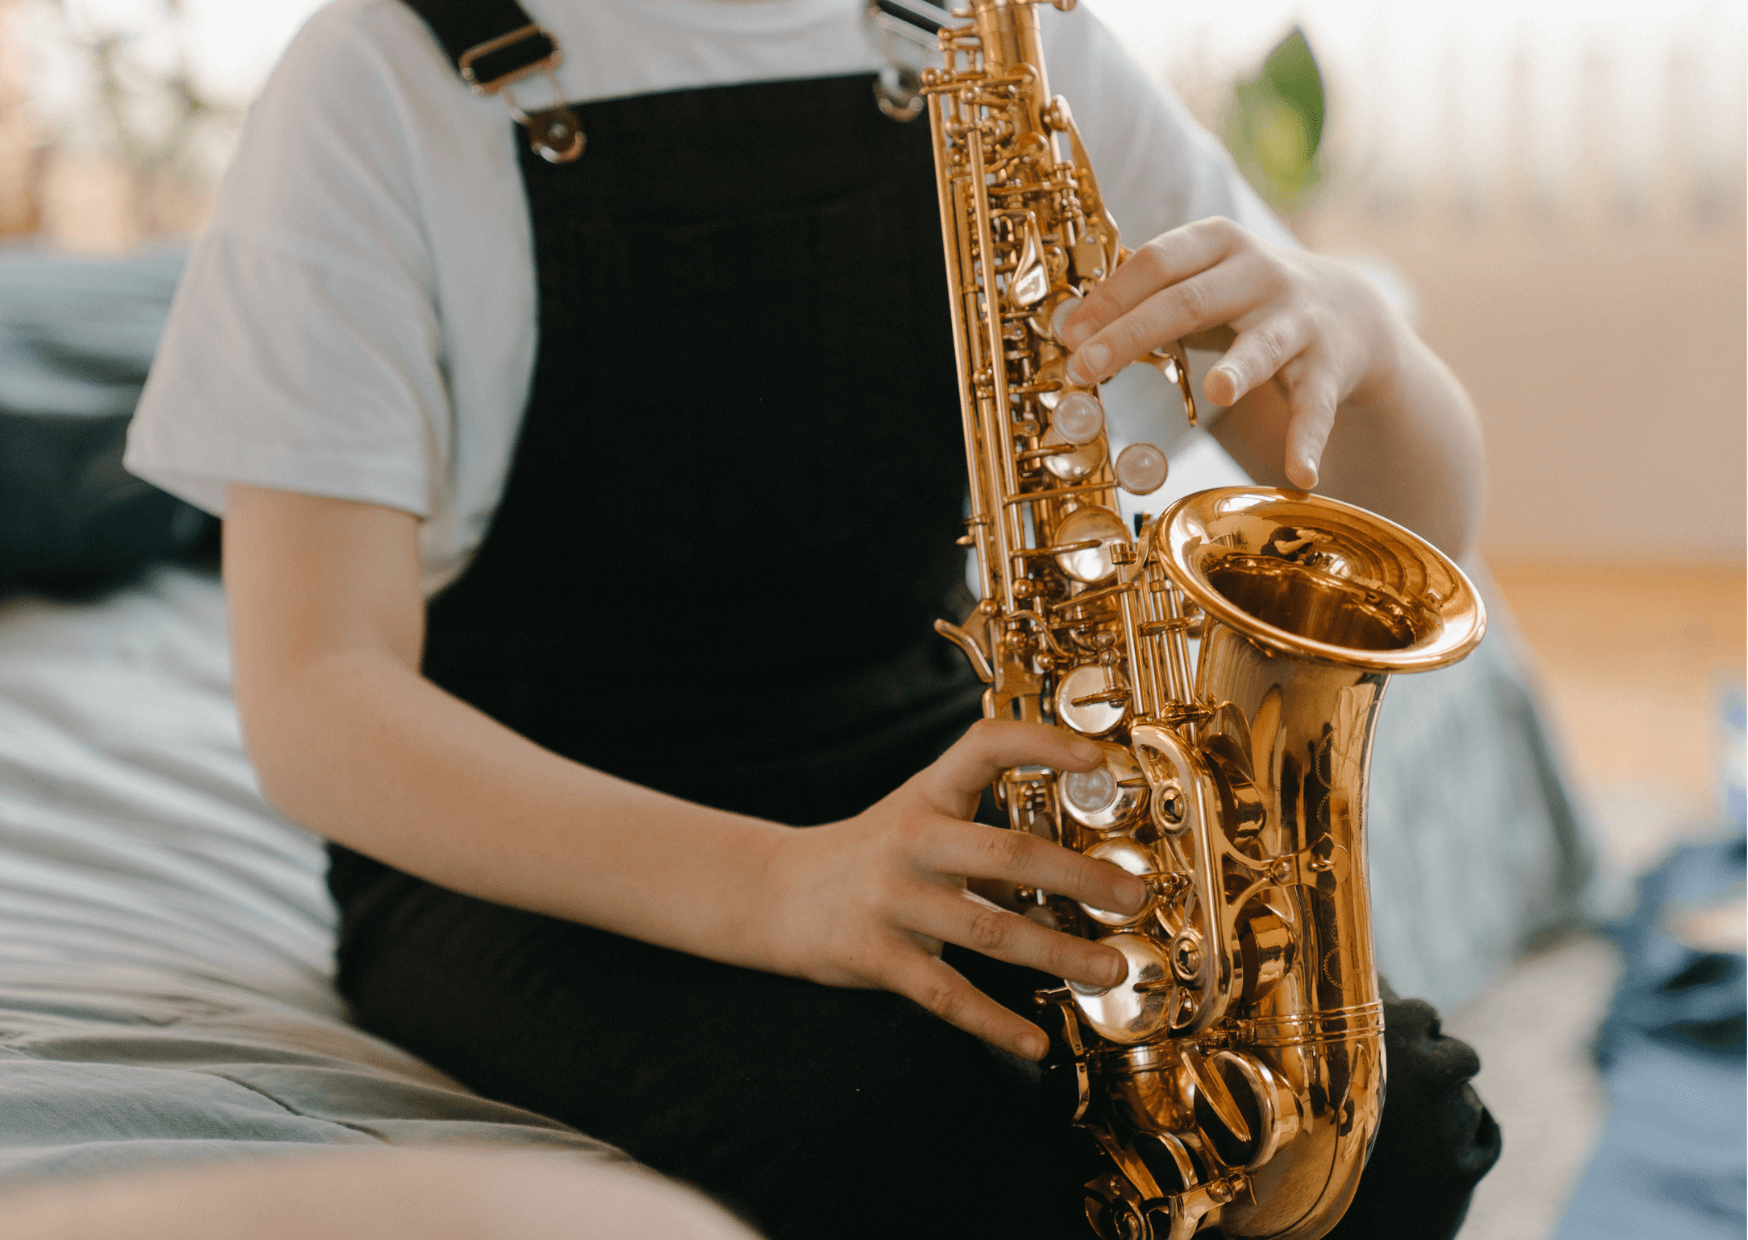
[
  {"x": 1002, "y": 413},
  {"x": 956, "y": 305}
]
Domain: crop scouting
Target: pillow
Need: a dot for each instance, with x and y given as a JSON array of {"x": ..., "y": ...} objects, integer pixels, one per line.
[{"x": 76, "y": 340}]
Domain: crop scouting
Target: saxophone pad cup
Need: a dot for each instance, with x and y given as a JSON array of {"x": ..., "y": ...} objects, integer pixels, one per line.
[{"x": 1079, "y": 417}]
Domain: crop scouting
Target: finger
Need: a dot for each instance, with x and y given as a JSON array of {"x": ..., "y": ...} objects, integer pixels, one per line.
[
  {"x": 1218, "y": 295},
  {"x": 991, "y": 746},
  {"x": 1256, "y": 356},
  {"x": 1168, "y": 258},
  {"x": 943, "y": 990},
  {"x": 1312, "y": 395},
  {"x": 976, "y": 851},
  {"x": 958, "y": 916}
]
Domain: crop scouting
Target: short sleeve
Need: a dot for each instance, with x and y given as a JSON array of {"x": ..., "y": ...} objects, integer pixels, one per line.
[
  {"x": 1158, "y": 169},
  {"x": 1157, "y": 166},
  {"x": 303, "y": 350}
]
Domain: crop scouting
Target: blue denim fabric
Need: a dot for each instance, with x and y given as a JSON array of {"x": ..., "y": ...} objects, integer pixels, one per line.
[{"x": 1670, "y": 1162}]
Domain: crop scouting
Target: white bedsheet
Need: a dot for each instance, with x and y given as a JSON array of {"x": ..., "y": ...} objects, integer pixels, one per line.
[
  {"x": 132, "y": 831},
  {"x": 165, "y": 937}
]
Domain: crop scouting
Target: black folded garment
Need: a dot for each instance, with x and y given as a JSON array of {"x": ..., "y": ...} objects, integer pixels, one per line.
[{"x": 76, "y": 340}]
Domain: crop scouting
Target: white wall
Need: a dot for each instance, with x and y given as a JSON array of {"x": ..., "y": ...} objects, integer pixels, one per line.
[{"x": 1563, "y": 183}]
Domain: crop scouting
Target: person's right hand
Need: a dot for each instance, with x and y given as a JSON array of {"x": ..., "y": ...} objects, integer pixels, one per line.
[{"x": 868, "y": 902}]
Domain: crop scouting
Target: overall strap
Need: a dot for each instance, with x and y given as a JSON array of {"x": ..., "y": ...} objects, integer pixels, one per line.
[
  {"x": 908, "y": 33},
  {"x": 495, "y": 44}
]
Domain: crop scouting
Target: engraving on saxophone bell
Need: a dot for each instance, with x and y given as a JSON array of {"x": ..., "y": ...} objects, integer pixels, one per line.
[{"x": 1229, "y": 658}]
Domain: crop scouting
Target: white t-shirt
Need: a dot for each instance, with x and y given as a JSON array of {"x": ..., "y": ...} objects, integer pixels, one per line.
[{"x": 359, "y": 318}]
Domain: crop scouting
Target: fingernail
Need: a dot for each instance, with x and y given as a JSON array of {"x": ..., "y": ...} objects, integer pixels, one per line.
[
  {"x": 1231, "y": 378},
  {"x": 1308, "y": 470},
  {"x": 1086, "y": 751},
  {"x": 1073, "y": 334},
  {"x": 1131, "y": 894},
  {"x": 1034, "y": 1045},
  {"x": 1089, "y": 364},
  {"x": 1116, "y": 970}
]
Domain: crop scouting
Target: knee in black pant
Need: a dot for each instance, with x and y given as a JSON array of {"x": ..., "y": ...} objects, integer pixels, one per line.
[
  {"x": 898, "y": 1124},
  {"x": 1436, "y": 1139}
]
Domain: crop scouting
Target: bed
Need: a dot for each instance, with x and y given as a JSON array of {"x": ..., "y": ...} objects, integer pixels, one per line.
[{"x": 165, "y": 989}]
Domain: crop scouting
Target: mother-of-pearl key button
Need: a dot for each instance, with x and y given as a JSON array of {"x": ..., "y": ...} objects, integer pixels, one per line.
[
  {"x": 1078, "y": 417},
  {"x": 1141, "y": 468},
  {"x": 1064, "y": 309}
]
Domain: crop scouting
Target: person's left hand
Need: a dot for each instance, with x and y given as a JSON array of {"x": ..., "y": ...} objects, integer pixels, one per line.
[{"x": 1314, "y": 325}]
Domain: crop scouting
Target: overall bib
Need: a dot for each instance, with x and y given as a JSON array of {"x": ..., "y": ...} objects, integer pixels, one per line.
[
  {"x": 728, "y": 526},
  {"x": 727, "y": 530}
]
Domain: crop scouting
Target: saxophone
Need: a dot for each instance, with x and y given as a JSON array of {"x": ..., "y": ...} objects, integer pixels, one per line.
[{"x": 1235, "y": 1078}]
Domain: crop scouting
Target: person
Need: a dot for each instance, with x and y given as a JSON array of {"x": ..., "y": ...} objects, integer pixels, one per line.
[{"x": 584, "y": 526}]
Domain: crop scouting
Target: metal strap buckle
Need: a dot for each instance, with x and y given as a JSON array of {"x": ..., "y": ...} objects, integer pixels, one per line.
[
  {"x": 554, "y": 132},
  {"x": 545, "y": 64}
]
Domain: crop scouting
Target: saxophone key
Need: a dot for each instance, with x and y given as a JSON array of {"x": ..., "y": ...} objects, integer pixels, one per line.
[
  {"x": 1085, "y": 701},
  {"x": 1072, "y": 462},
  {"x": 1141, "y": 468},
  {"x": 1130, "y": 855},
  {"x": 1079, "y": 416},
  {"x": 1133, "y": 1010},
  {"x": 1060, "y": 312},
  {"x": 1094, "y": 565},
  {"x": 1108, "y": 797}
]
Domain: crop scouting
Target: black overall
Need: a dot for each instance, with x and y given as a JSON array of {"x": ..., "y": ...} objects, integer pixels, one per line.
[{"x": 728, "y": 526}]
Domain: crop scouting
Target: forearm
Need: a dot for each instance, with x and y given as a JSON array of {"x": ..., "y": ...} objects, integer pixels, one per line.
[
  {"x": 358, "y": 747},
  {"x": 327, "y": 622},
  {"x": 1405, "y": 444}
]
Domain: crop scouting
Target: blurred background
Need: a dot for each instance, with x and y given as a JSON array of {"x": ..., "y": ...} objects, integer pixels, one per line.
[{"x": 1553, "y": 192}]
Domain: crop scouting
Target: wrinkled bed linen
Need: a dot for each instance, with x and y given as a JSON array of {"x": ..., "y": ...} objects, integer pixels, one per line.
[
  {"x": 132, "y": 829},
  {"x": 127, "y": 1069},
  {"x": 164, "y": 935}
]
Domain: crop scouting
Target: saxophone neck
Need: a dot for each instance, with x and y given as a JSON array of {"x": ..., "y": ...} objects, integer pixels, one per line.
[{"x": 1008, "y": 32}]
